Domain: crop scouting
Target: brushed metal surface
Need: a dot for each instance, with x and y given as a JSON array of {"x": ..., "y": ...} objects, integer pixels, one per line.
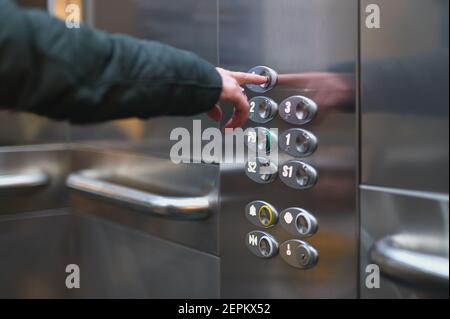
[
  {"x": 404, "y": 106},
  {"x": 422, "y": 224},
  {"x": 115, "y": 261},
  {"x": 118, "y": 261},
  {"x": 35, "y": 249},
  {"x": 295, "y": 37}
]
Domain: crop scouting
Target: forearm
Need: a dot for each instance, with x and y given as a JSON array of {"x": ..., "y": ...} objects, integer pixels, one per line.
[{"x": 84, "y": 75}]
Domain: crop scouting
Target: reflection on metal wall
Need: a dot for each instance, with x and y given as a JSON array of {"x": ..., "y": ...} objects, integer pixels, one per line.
[
  {"x": 404, "y": 77},
  {"x": 404, "y": 149}
]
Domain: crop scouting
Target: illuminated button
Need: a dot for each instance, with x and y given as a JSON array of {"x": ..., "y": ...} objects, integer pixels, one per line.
[
  {"x": 261, "y": 214},
  {"x": 270, "y": 74},
  {"x": 298, "y": 142},
  {"x": 261, "y": 244},
  {"x": 297, "y": 174},
  {"x": 262, "y": 109},
  {"x": 261, "y": 170},
  {"x": 299, "y": 254},
  {"x": 297, "y": 110},
  {"x": 298, "y": 222},
  {"x": 260, "y": 139}
]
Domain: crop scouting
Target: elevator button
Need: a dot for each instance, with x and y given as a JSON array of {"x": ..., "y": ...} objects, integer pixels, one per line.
[
  {"x": 297, "y": 110},
  {"x": 271, "y": 75},
  {"x": 297, "y": 174},
  {"x": 261, "y": 170},
  {"x": 299, "y": 254},
  {"x": 260, "y": 139},
  {"x": 262, "y": 109},
  {"x": 298, "y": 222},
  {"x": 298, "y": 142},
  {"x": 261, "y": 214},
  {"x": 261, "y": 244}
]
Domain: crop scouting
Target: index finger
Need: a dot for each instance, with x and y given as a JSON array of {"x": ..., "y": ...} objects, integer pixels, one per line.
[{"x": 249, "y": 78}]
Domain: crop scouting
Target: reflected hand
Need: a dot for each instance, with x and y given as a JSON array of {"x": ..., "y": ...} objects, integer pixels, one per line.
[
  {"x": 331, "y": 91},
  {"x": 233, "y": 93}
]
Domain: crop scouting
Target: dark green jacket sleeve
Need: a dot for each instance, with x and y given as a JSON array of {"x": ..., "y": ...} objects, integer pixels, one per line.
[{"x": 84, "y": 75}]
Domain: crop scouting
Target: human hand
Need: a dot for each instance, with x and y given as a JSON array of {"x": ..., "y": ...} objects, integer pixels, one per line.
[{"x": 233, "y": 92}]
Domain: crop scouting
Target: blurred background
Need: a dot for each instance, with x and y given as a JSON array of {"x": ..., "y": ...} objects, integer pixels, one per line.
[{"x": 382, "y": 161}]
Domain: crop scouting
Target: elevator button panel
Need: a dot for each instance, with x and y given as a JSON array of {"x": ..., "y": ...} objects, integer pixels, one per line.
[
  {"x": 261, "y": 214},
  {"x": 297, "y": 110},
  {"x": 271, "y": 75},
  {"x": 297, "y": 174},
  {"x": 262, "y": 109},
  {"x": 261, "y": 244},
  {"x": 261, "y": 170},
  {"x": 261, "y": 140},
  {"x": 299, "y": 254},
  {"x": 298, "y": 142},
  {"x": 298, "y": 222}
]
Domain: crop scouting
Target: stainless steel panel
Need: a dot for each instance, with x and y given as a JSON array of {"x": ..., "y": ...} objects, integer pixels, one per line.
[
  {"x": 294, "y": 37},
  {"x": 422, "y": 220},
  {"x": 156, "y": 176},
  {"x": 35, "y": 250},
  {"x": 51, "y": 160},
  {"x": 404, "y": 105},
  {"x": 186, "y": 24},
  {"x": 115, "y": 261}
]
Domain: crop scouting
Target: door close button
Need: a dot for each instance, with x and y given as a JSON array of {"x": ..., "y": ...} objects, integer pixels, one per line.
[{"x": 261, "y": 244}]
